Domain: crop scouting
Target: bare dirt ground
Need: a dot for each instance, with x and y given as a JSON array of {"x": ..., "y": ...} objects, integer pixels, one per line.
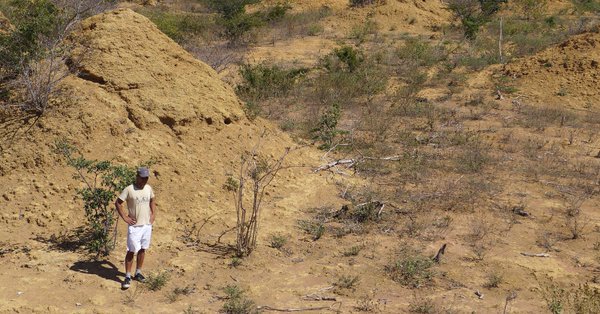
[{"x": 142, "y": 96}]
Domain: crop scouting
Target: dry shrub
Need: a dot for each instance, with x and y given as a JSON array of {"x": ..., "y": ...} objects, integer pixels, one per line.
[
  {"x": 362, "y": 3},
  {"x": 411, "y": 268},
  {"x": 541, "y": 117}
]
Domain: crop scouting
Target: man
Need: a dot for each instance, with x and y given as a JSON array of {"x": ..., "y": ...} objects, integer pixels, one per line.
[{"x": 141, "y": 207}]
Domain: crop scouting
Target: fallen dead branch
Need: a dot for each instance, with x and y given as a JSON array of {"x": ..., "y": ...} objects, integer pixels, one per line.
[
  {"x": 316, "y": 297},
  {"x": 334, "y": 307},
  {"x": 350, "y": 163},
  {"x": 536, "y": 254}
]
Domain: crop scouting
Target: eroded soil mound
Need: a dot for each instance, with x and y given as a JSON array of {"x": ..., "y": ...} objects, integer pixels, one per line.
[{"x": 570, "y": 70}]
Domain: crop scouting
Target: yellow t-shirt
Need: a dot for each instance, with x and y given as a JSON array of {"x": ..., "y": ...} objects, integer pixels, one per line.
[{"x": 138, "y": 203}]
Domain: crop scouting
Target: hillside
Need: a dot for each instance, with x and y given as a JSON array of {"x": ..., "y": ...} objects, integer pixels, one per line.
[
  {"x": 440, "y": 143},
  {"x": 139, "y": 96}
]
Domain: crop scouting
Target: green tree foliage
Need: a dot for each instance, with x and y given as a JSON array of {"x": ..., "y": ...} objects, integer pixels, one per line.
[
  {"x": 178, "y": 26},
  {"x": 102, "y": 180},
  {"x": 264, "y": 81},
  {"x": 234, "y": 19},
  {"x": 474, "y": 13},
  {"x": 326, "y": 130},
  {"x": 31, "y": 19}
]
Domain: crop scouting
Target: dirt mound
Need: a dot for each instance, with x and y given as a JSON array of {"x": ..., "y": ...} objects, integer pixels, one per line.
[
  {"x": 570, "y": 70},
  {"x": 139, "y": 96},
  {"x": 160, "y": 82}
]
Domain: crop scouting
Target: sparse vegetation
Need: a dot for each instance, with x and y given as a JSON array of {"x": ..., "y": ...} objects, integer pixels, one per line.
[
  {"x": 177, "y": 292},
  {"x": 352, "y": 251},
  {"x": 493, "y": 280},
  {"x": 362, "y": 3},
  {"x": 346, "y": 282},
  {"x": 315, "y": 228},
  {"x": 422, "y": 305},
  {"x": 433, "y": 143},
  {"x": 277, "y": 241},
  {"x": 237, "y": 302},
  {"x": 156, "y": 281},
  {"x": 235, "y": 262},
  {"x": 411, "y": 269}
]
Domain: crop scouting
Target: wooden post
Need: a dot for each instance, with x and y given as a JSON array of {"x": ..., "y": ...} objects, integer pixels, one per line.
[{"x": 500, "y": 41}]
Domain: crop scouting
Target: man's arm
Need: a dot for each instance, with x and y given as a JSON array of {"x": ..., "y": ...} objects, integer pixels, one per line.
[
  {"x": 152, "y": 210},
  {"x": 119, "y": 204}
]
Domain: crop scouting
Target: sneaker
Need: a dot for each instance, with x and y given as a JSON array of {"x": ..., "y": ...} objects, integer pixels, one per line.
[
  {"x": 126, "y": 283},
  {"x": 139, "y": 277}
]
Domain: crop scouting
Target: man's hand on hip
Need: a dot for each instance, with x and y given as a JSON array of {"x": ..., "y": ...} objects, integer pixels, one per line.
[{"x": 130, "y": 221}]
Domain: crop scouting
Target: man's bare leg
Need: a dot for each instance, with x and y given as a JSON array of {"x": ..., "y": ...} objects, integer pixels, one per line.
[
  {"x": 140, "y": 259},
  {"x": 128, "y": 261}
]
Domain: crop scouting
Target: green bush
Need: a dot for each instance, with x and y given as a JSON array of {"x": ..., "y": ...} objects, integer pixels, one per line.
[
  {"x": 277, "y": 241},
  {"x": 276, "y": 12},
  {"x": 32, "y": 20},
  {"x": 237, "y": 23},
  {"x": 237, "y": 302},
  {"x": 421, "y": 52},
  {"x": 157, "y": 281},
  {"x": 103, "y": 182},
  {"x": 229, "y": 8},
  {"x": 346, "y": 282},
  {"x": 348, "y": 76},
  {"x": 178, "y": 26},
  {"x": 345, "y": 59},
  {"x": 474, "y": 13},
  {"x": 263, "y": 81},
  {"x": 411, "y": 269},
  {"x": 315, "y": 228},
  {"x": 352, "y": 251},
  {"x": 326, "y": 130}
]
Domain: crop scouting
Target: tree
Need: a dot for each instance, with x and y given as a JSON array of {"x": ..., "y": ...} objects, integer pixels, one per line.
[
  {"x": 234, "y": 19},
  {"x": 474, "y": 13},
  {"x": 34, "y": 54}
]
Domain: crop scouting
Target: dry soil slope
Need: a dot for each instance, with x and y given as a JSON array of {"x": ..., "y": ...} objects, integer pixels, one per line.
[
  {"x": 566, "y": 74},
  {"x": 139, "y": 96},
  {"x": 394, "y": 20}
]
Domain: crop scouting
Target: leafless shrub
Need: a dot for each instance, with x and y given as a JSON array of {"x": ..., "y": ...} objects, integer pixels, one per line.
[
  {"x": 547, "y": 240},
  {"x": 493, "y": 280},
  {"x": 259, "y": 173},
  {"x": 38, "y": 81},
  {"x": 576, "y": 222}
]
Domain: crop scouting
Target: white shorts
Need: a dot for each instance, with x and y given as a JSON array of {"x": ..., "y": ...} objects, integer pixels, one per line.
[{"x": 138, "y": 237}]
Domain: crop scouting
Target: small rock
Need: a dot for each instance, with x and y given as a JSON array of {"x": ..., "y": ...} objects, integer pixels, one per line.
[{"x": 19, "y": 292}]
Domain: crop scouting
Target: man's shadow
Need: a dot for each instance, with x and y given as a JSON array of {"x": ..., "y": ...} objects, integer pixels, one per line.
[{"x": 104, "y": 269}]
